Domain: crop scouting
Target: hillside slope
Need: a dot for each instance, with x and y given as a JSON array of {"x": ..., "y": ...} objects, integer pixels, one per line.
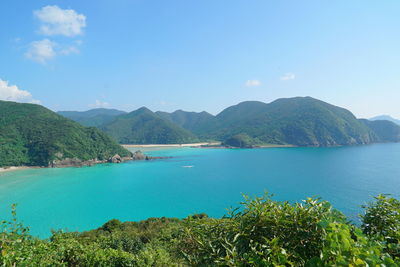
[
  {"x": 33, "y": 135},
  {"x": 301, "y": 121},
  {"x": 192, "y": 121},
  {"x": 385, "y": 118},
  {"x": 385, "y": 131},
  {"x": 93, "y": 117},
  {"x": 143, "y": 126}
]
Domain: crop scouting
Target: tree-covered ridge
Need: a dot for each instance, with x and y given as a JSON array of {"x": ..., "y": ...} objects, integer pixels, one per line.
[
  {"x": 295, "y": 121},
  {"x": 263, "y": 232},
  {"x": 93, "y": 117},
  {"x": 298, "y": 121},
  {"x": 143, "y": 126},
  {"x": 385, "y": 118},
  {"x": 385, "y": 131},
  {"x": 33, "y": 135},
  {"x": 191, "y": 121}
]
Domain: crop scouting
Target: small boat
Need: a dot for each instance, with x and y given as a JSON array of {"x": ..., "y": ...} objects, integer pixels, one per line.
[{"x": 188, "y": 166}]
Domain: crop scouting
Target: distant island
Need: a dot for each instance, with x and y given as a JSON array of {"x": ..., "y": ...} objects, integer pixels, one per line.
[{"x": 298, "y": 121}]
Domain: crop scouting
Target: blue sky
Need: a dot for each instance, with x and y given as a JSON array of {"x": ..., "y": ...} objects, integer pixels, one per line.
[{"x": 200, "y": 55}]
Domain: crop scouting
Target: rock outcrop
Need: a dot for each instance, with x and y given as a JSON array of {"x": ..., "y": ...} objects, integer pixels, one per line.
[
  {"x": 115, "y": 159},
  {"x": 75, "y": 162},
  {"x": 138, "y": 155}
]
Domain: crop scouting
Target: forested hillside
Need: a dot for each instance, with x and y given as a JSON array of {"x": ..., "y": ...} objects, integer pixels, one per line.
[
  {"x": 93, "y": 117},
  {"x": 143, "y": 126},
  {"x": 298, "y": 121},
  {"x": 33, "y": 135}
]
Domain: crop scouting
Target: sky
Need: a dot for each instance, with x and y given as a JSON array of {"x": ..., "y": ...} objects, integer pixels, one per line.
[{"x": 200, "y": 55}]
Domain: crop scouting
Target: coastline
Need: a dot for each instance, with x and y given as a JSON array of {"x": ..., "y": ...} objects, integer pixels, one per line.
[
  {"x": 170, "y": 145},
  {"x": 198, "y": 145},
  {"x": 272, "y": 146},
  {"x": 16, "y": 168},
  {"x": 195, "y": 145}
]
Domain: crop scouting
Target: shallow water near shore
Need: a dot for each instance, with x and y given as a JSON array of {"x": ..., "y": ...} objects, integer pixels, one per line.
[{"x": 197, "y": 180}]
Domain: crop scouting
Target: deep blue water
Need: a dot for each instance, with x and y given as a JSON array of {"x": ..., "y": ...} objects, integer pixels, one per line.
[{"x": 85, "y": 198}]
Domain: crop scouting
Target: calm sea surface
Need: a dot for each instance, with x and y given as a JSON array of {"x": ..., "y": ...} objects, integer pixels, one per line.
[{"x": 196, "y": 181}]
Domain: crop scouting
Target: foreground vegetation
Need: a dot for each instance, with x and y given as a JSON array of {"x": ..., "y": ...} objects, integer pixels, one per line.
[{"x": 262, "y": 233}]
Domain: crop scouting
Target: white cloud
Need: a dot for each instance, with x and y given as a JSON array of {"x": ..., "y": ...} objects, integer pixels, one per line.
[
  {"x": 41, "y": 51},
  {"x": 288, "y": 76},
  {"x": 13, "y": 93},
  {"x": 57, "y": 21},
  {"x": 99, "y": 104},
  {"x": 69, "y": 50},
  {"x": 44, "y": 50},
  {"x": 252, "y": 83}
]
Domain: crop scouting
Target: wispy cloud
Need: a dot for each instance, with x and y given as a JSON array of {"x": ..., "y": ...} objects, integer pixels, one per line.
[
  {"x": 99, "y": 104},
  {"x": 288, "y": 76},
  {"x": 13, "y": 93},
  {"x": 69, "y": 50},
  {"x": 252, "y": 83},
  {"x": 57, "y": 21},
  {"x": 41, "y": 51}
]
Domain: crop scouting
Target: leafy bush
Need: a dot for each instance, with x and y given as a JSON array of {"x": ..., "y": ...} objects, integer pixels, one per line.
[
  {"x": 263, "y": 232},
  {"x": 382, "y": 221}
]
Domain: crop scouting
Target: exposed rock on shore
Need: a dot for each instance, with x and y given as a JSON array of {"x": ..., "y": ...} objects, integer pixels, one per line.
[
  {"x": 75, "y": 162},
  {"x": 115, "y": 159}
]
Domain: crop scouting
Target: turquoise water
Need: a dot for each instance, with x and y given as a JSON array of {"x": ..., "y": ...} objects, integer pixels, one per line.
[{"x": 85, "y": 198}]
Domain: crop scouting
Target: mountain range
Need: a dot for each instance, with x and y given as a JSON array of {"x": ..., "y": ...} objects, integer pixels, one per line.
[
  {"x": 385, "y": 118},
  {"x": 94, "y": 117},
  {"x": 298, "y": 121},
  {"x": 143, "y": 126}
]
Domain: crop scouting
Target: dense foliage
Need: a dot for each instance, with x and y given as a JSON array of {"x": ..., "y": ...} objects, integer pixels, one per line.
[
  {"x": 33, "y": 135},
  {"x": 385, "y": 131},
  {"x": 145, "y": 127},
  {"x": 263, "y": 232},
  {"x": 240, "y": 141},
  {"x": 192, "y": 121}
]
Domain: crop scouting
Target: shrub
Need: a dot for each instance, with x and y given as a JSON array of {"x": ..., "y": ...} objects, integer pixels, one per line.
[{"x": 382, "y": 221}]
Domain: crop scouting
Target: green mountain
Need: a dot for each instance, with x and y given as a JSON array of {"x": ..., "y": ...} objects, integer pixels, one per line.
[
  {"x": 385, "y": 131},
  {"x": 192, "y": 121},
  {"x": 93, "y": 117},
  {"x": 33, "y": 135},
  {"x": 385, "y": 118},
  {"x": 143, "y": 126},
  {"x": 301, "y": 121}
]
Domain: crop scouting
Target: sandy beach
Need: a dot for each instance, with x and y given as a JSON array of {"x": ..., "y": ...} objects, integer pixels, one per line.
[{"x": 14, "y": 168}]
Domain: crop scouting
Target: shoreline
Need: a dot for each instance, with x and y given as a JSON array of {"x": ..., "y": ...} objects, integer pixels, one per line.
[
  {"x": 194, "y": 145},
  {"x": 198, "y": 145},
  {"x": 17, "y": 168},
  {"x": 169, "y": 145}
]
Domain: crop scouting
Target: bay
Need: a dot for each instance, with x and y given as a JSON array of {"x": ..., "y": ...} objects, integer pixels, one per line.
[{"x": 197, "y": 180}]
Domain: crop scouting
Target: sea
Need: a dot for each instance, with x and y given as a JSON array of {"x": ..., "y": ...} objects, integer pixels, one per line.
[{"x": 197, "y": 180}]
